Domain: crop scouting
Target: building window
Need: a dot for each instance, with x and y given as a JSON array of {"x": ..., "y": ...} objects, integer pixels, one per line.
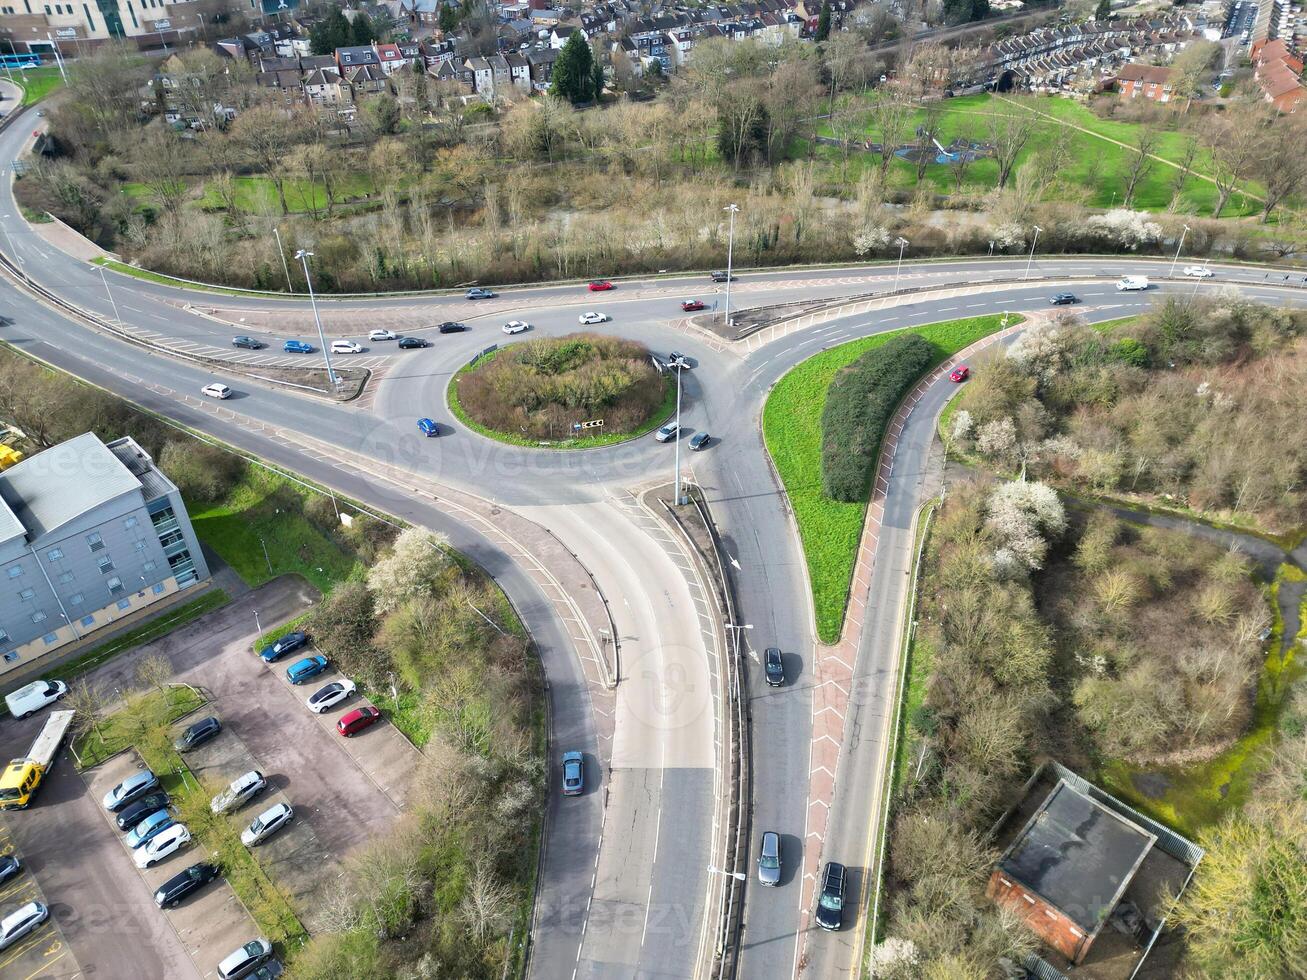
[
  {"x": 54, "y": 554},
  {"x": 11, "y": 656},
  {"x": 131, "y": 522},
  {"x": 106, "y": 565},
  {"x": 15, "y": 571},
  {"x": 50, "y": 639},
  {"x": 38, "y": 616},
  {"x": 171, "y": 538},
  {"x": 75, "y": 599},
  {"x": 124, "y": 603},
  {"x": 4, "y": 637},
  {"x": 66, "y": 577},
  {"x": 158, "y": 589},
  {"x": 115, "y": 585},
  {"x": 88, "y": 620},
  {"x": 148, "y": 566},
  {"x": 94, "y": 541},
  {"x": 27, "y": 595}
]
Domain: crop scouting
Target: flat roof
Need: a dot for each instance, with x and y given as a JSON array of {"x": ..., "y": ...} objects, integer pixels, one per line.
[
  {"x": 1077, "y": 855},
  {"x": 60, "y": 484}
]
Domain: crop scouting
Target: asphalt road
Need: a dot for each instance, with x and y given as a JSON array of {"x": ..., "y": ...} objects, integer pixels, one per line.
[{"x": 624, "y": 879}]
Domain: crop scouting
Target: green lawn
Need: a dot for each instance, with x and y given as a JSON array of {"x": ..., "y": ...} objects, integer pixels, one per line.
[
  {"x": 121, "y": 729},
  {"x": 39, "y": 82},
  {"x": 258, "y": 195},
  {"x": 791, "y": 424},
  {"x": 265, "y": 511}
]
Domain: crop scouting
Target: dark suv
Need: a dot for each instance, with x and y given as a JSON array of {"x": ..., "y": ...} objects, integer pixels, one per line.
[
  {"x": 172, "y": 891},
  {"x": 830, "y": 902},
  {"x": 451, "y": 326},
  {"x": 723, "y": 276},
  {"x": 774, "y": 664}
]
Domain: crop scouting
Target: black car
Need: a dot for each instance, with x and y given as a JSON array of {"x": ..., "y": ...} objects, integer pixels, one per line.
[
  {"x": 287, "y": 644},
  {"x": 723, "y": 277},
  {"x": 198, "y": 734},
  {"x": 413, "y": 343},
  {"x": 699, "y": 440},
  {"x": 249, "y": 343},
  {"x": 9, "y": 866},
  {"x": 269, "y": 971},
  {"x": 1064, "y": 299},
  {"x": 180, "y": 885},
  {"x": 451, "y": 326},
  {"x": 131, "y": 815},
  {"x": 774, "y": 665},
  {"x": 830, "y": 902}
]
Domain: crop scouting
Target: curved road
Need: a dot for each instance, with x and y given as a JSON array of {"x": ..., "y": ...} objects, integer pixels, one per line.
[{"x": 626, "y": 887}]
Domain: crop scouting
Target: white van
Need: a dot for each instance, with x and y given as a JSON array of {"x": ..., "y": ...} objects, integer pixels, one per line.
[
  {"x": 31, "y": 698},
  {"x": 1131, "y": 283}
]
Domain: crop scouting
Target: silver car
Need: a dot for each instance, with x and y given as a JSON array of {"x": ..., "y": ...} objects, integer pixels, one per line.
[
  {"x": 769, "y": 859},
  {"x": 240, "y": 792},
  {"x": 668, "y": 432},
  {"x": 18, "y": 924},
  {"x": 267, "y": 823}
]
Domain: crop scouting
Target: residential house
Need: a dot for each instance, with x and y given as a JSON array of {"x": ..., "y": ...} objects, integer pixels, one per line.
[
  {"x": 1147, "y": 81},
  {"x": 542, "y": 66},
  {"x": 502, "y": 76},
  {"x": 483, "y": 76},
  {"x": 356, "y": 57},
  {"x": 544, "y": 18},
  {"x": 424, "y": 13},
  {"x": 324, "y": 87},
  {"x": 1278, "y": 74},
  {"x": 389, "y": 57},
  {"x": 437, "y": 53},
  {"x": 520, "y": 72},
  {"x": 286, "y": 83},
  {"x": 366, "y": 80},
  {"x": 560, "y": 34}
]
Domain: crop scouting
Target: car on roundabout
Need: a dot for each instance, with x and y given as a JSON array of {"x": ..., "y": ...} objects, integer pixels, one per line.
[
  {"x": 346, "y": 347},
  {"x": 1198, "y": 272},
  {"x": 600, "y": 286},
  {"x": 516, "y": 326},
  {"x": 699, "y": 440},
  {"x": 216, "y": 390},
  {"x": 248, "y": 343},
  {"x": 375, "y": 335},
  {"x": 691, "y": 305},
  {"x": 593, "y": 317},
  {"x": 413, "y": 343},
  {"x": 429, "y": 427},
  {"x": 668, "y": 432},
  {"x": 297, "y": 347},
  {"x": 1064, "y": 299},
  {"x": 478, "y": 292},
  {"x": 959, "y": 374},
  {"x": 452, "y": 326}
]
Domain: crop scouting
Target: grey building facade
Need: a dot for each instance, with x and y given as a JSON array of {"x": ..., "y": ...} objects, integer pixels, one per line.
[{"x": 89, "y": 534}]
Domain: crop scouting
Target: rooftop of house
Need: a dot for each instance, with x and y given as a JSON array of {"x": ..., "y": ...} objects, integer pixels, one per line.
[{"x": 1144, "y": 73}]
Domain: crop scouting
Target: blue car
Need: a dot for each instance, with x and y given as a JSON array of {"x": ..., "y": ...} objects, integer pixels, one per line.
[
  {"x": 275, "y": 651},
  {"x": 145, "y": 830},
  {"x": 306, "y": 669},
  {"x": 573, "y": 773},
  {"x": 297, "y": 347},
  {"x": 428, "y": 428}
]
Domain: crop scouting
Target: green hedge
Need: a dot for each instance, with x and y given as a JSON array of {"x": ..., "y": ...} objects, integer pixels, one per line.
[{"x": 859, "y": 406}]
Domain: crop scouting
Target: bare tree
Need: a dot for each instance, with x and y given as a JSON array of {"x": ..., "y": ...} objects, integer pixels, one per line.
[
  {"x": 162, "y": 160},
  {"x": 890, "y": 113},
  {"x": 88, "y": 701},
  {"x": 927, "y": 132},
  {"x": 1009, "y": 132},
  {"x": 487, "y": 903},
  {"x": 154, "y": 671},
  {"x": 1183, "y": 171},
  {"x": 1235, "y": 149},
  {"x": 1282, "y": 165},
  {"x": 960, "y": 162},
  {"x": 264, "y": 136},
  {"x": 1141, "y": 164}
]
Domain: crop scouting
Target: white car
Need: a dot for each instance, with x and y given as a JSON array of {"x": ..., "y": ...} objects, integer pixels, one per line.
[
  {"x": 267, "y": 823},
  {"x": 668, "y": 432},
  {"x": 241, "y": 791},
  {"x": 593, "y": 317},
  {"x": 1198, "y": 271},
  {"x": 328, "y": 696},
  {"x": 31, "y": 698},
  {"x": 216, "y": 390},
  {"x": 1132, "y": 283},
  {"x": 516, "y": 326},
  {"x": 381, "y": 335},
  {"x": 163, "y": 844},
  {"x": 18, "y": 924},
  {"x": 345, "y": 347}
]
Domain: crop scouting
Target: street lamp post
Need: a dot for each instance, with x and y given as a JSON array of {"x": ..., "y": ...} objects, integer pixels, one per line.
[
  {"x": 281, "y": 253},
  {"x": 112, "y": 301},
  {"x": 304, "y": 257},
  {"x": 732, "y": 210},
  {"x": 902, "y": 243},
  {"x": 676, "y": 482},
  {"x": 258, "y": 627},
  {"x": 1177, "y": 252},
  {"x": 58, "y": 58},
  {"x": 1031, "y": 259},
  {"x": 737, "y": 875}
]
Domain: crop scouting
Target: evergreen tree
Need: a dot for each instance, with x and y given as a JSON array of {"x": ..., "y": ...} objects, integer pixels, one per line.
[
  {"x": 823, "y": 21},
  {"x": 448, "y": 19},
  {"x": 331, "y": 33},
  {"x": 1103, "y": 11},
  {"x": 573, "y": 74},
  {"x": 362, "y": 30},
  {"x": 597, "y": 80}
]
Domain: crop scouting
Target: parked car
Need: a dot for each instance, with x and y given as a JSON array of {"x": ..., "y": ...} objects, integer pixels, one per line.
[
  {"x": 130, "y": 790},
  {"x": 216, "y": 390},
  {"x": 593, "y": 317},
  {"x": 184, "y": 883},
  {"x": 345, "y": 347},
  {"x": 164, "y": 844},
  {"x": 769, "y": 859},
  {"x": 297, "y": 347},
  {"x": 600, "y": 286},
  {"x": 413, "y": 343},
  {"x": 249, "y": 343},
  {"x": 722, "y": 276},
  {"x": 268, "y": 971},
  {"x": 1064, "y": 299},
  {"x": 690, "y": 305},
  {"x": 198, "y": 734},
  {"x": 477, "y": 292},
  {"x": 134, "y": 813},
  {"x": 699, "y": 440},
  {"x": 287, "y": 644},
  {"x": 9, "y": 866},
  {"x": 329, "y": 695},
  {"x": 668, "y": 432},
  {"x": 375, "y": 335},
  {"x": 452, "y": 326},
  {"x": 267, "y": 823},
  {"x": 516, "y": 326},
  {"x": 959, "y": 374},
  {"x": 357, "y": 720},
  {"x": 244, "y": 961},
  {"x": 774, "y": 667},
  {"x": 142, "y": 833},
  {"x": 429, "y": 427},
  {"x": 31, "y": 698},
  {"x": 830, "y": 900},
  {"x": 306, "y": 669},
  {"x": 1198, "y": 271},
  {"x": 18, "y": 924},
  {"x": 573, "y": 773},
  {"x": 1132, "y": 283},
  {"x": 241, "y": 791}
]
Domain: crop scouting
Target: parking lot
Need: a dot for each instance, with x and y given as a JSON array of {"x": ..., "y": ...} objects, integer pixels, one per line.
[
  {"x": 45, "y": 952},
  {"x": 344, "y": 791}
]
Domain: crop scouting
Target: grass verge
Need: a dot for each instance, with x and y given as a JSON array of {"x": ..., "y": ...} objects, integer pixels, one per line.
[
  {"x": 791, "y": 425},
  {"x": 121, "y": 730},
  {"x": 113, "y": 265},
  {"x": 661, "y": 415},
  {"x": 39, "y": 82}
]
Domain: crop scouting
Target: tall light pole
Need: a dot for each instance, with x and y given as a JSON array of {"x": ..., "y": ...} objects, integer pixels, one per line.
[
  {"x": 58, "y": 58},
  {"x": 112, "y": 302},
  {"x": 902, "y": 243},
  {"x": 1030, "y": 260},
  {"x": 282, "y": 253},
  {"x": 733, "y": 210},
  {"x": 676, "y": 483},
  {"x": 1177, "y": 252},
  {"x": 304, "y": 257}
]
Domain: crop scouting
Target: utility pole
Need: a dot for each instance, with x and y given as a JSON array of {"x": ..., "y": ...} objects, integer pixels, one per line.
[
  {"x": 304, "y": 257},
  {"x": 1177, "y": 252},
  {"x": 677, "y": 480},
  {"x": 281, "y": 253},
  {"x": 733, "y": 210},
  {"x": 58, "y": 58},
  {"x": 1030, "y": 260},
  {"x": 112, "y": 301},
  {"x": 902, "y": 243}
]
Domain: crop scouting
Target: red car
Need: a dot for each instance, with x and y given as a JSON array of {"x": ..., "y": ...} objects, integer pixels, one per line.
[
  {"x": 357, "y": 720},
  {"x": 690, "y": 305},
  {"x": 603, "y": 285},
  {"x": 959, "y": 374}
]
